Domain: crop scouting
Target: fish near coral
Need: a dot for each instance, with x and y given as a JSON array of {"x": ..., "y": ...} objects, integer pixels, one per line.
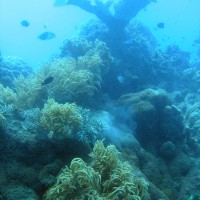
[{"x": 47, "y": 80}]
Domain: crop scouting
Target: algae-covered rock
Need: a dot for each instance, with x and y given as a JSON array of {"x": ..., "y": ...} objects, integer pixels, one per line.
[{"x": 156, "y": 118}]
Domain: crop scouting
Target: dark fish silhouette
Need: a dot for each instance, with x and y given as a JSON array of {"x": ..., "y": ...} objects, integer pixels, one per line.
[
  {"x": 161, "y": 25},
  {"x": 46, "y": 36},
  {"x": 47, "y": 80},
  {"x": 25, "y": 23}
]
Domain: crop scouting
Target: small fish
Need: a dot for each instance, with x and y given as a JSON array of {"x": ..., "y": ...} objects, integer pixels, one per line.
[
  {"x": 161, "y": 25},
  {"x": 47, "y": 80},
  {"x": 25, "y": 23},
  {"x": 46, "y": 36}
]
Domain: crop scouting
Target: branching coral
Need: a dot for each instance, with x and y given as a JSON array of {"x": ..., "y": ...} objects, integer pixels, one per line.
[
  {"x": 81, "y": 181},
  {"x": 62, "y": 119},
  {"x": 31, "y": 120},
  {"x": 91, "y": 128}
]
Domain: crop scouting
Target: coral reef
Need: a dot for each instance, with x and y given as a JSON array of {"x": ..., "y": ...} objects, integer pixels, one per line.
[
  {"x": 169, "y": 65},
  {"x": 30, "y": 92},
  {"x": 72, "y": 78},
  {"x": 11, "y": 68},
  {"x": 106, "y": 178},
  {"x": 94, "y": 56},
  {"x": 141, "y": 99},
  {"x": 191, "y": 108},
  {"x": 70, "y": 81},
  {"x": 92, "y": 127},
  {"x": 8, "y": 96},
  {"x": 63, "y": 120},
  {"x": 190, "y": 79},
  {"x": 31, "y": 120},
  {"x": 70, "y": 121},
  {"x": 94, "y": 29},
  {"x": 156, "y": 118},
  {"x": 75, "y": 47}
]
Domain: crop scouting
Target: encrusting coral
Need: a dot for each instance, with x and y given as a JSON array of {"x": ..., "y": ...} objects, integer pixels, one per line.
[{"x": 81, "y": 181}]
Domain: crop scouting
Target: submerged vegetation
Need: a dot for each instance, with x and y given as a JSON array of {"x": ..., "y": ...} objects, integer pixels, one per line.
[
  {"x": 114, "y": 94},
  {"x": 106, "y": 178}
]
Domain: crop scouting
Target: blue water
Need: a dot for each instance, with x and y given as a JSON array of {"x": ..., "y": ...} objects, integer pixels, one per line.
[
  {"x": 107, "y": 90},
  {"x": 181, "y": 18},
  {"x": 23, "y": 42}
]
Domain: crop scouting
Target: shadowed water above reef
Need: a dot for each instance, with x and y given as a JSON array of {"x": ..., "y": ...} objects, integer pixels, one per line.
[{"x": 110, "y": 116}]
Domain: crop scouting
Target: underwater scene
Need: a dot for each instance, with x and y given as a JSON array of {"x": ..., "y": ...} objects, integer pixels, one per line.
[{"x": 100, "y": 100}]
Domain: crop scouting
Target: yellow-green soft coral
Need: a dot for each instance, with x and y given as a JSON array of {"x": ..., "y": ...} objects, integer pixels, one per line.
[
  {"x": 75, "y": 182},
  {"x": 63, "y": 120},
  {"x": 7, "y": 95},
  {"x": 104, "y": 159},
  {"x": 29, "y": 91},
  {"x": 69, "y": 80},
  {"x": 95, "y": 55},
  {"x": 72, "y": 78},
  {"x": 69, "y": 83},
  {"x": 81, "y": 181},
  {"x": 97, "y": 59}
]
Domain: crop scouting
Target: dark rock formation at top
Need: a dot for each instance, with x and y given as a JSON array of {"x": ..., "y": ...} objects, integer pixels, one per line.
[{"x": 116, "y": 15}]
